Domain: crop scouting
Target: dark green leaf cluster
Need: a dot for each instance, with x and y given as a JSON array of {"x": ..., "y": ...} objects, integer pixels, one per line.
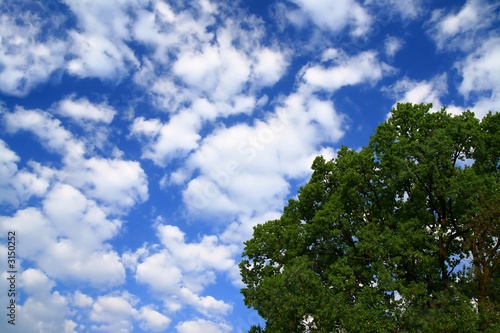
[{"x": 401, "y": 236}]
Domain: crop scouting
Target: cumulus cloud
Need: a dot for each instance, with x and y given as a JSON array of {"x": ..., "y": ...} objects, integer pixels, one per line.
[
  {"x": 97, "y": 56},
  {"x": 200, "y": 325},
  {"x": 152, "y": 320},
  {"x": 67, "y": 234},
  {"x": 244, "y": 168},
  {"x": 119, "y": 311},
  {"x": 98, "y": 48},
  {"x": 426, "y": 91},
  {"x": 82, "y": 109},
  {"x": 8, "y": 168},
  {"x": 117, "y": 183},
  {"x": 81, "y": 300},
  {"x": 43, "y": 309},
  {"x": 164, "y": 141},
  {"x": 392, "y": 45},
  {"x": 344, "y": 71},
  {"x": 407, "y": 10},
  {"x": 113, "y": 313},
  {"x": 28, "y": 56},
  {"x": 336, "y": 15},
  {"x": 187, "y": 268},
  {"x": 480, "y": 72},
  {"x": 67, "y": 243},
  {"x": 462, "y": 29},
  {"x": 49, "y": 131}
]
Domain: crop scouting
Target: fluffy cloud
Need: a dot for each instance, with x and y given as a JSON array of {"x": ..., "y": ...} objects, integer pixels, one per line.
[
  {"x": 166, "y": 141},
  {"x": 461, "y": 30},
  {"x": 113, "y": 313},
  {"x": 117, "y": 183},
  {"x": 43, "y": 309},
  {"x": 244, "y": 169},
  {"x": 118, "y": 312},
  {"x": 67, "y": 243},
  {"x": 269, "y": 67},
  {"x": 186, "y": 269},
  {"x": 98, "y": 48},
  {"x": 431, "y": 91},
  {"x": 336, "y": 15},
  {"x": 67, "y": 234},
  {"x": 407, "y": 10},
  {"x": 392, "y": 45},
  {"x": 49, "y": 131},
  {"x": 201, "y": 325},
  {"x": 8, "y": 168},
  {"x": 28, "y": 56},
  {"x": 481, "y": 76},
  {"x": 83, "y": 110},
  {"x": 344, "y": 71},
  {"x": 152, "y": 320},
  {"x": 212, "y": 75},
  {"x": 97, "y": 56}
]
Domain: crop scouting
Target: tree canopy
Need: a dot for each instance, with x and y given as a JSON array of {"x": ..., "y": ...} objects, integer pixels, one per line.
[{"x": 400, "y": 236}]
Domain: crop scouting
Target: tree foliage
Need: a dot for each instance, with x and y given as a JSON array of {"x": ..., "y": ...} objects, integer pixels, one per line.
[{"x": 400, "y": 236}]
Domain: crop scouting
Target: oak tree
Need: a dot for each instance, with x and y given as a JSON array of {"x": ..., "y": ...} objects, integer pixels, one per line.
[{"x": 400, "y": 236}]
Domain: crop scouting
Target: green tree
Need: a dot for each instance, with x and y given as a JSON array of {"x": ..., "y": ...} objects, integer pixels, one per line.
[{"x": 401, "y": 236}]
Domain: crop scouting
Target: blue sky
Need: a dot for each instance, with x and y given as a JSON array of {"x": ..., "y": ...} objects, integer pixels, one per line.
[{"x": 141, "y": 140}]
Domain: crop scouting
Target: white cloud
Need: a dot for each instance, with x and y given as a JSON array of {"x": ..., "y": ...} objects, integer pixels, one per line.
[
  {"x": 36, "y": 283},
  {"x": 159, "y": 264},
  {"x": 109, "y": 18},
  {"x": 28, "y": 56},
  {"x": 152, "y": 320},
  {"x": 186, "y": 269},
  {"x": 97, "y": 56},
  {"x": 392, "y": 45},
  {"x": 431, "y": 91},
  {"x": 206, "y": 305},
  {"x": 114, "y": 313},
  {"x": 202, "y": 256},
  {"x": 81, "y": 300},
  {"x": 344, "y": 71},
  {"x": 244, "y": 169},
  {"x": 461, "y": 30},
  {"x": 77, "y": 218},
  {"x": 407, "y": 10},
  {"x": 166, "y": 141},
  {"x": 336, "y": 15},
  {"x": 203, "y": 72},
  {"x": 270, "y": 66},
  {"x": 65, "y": 261},
  {"x": 119, "y": 312},
  {"x": 36, "y": 230},
  {"x": 49, "y": 131},
  {"x": 43, "y": 310},
  {"x": 83, "y": 110},
  {"x": 8, "y": 168},
  {"x": 98, "y": 47},
  {"x": 68, "y": 243},
  {"x": 480, "y": 71},
  {"x": 201, "y": 325},
  {"x": 34, "y": 180},
  {"x": 118, "y": 184}
]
